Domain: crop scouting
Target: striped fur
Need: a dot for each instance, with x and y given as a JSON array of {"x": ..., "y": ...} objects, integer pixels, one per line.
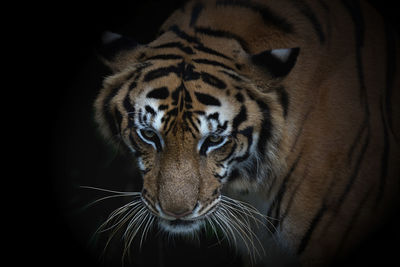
[{"x": 292, "y": 101}]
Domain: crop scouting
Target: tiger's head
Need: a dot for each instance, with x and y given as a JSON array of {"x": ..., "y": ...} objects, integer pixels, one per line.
[{"x": 195, "y": 121}]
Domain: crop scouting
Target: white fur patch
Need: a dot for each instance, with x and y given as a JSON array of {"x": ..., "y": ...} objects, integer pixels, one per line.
[
  {"x": 225, "y": 114},
  {"x": 142, "y": 101},
  {"x": 140, "y": 164},
  {"x": 282, "y": 54}
]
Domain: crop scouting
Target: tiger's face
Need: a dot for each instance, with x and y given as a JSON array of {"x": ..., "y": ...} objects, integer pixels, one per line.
[{"x": 194, "y": 124}]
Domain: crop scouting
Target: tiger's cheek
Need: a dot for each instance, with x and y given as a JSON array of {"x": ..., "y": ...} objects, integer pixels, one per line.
[
  {"x": 151, "y": 164},
  {"x": 218, "y": 161},
  {"x": 222, "y": 153},
  {"x": 137, "y": 147}
]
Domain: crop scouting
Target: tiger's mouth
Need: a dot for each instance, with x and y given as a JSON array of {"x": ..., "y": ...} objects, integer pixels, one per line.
[
  {"x": 233, "y": 219},
  {"x": 187, "y": 224},
  {"x": 180, "y": 226}
]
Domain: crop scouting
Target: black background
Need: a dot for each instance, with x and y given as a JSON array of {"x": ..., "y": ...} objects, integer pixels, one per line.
[{"x": 72, "y": 153}]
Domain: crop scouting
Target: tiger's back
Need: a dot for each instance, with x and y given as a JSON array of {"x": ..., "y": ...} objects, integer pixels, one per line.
[{"x": 326, "y": 71}]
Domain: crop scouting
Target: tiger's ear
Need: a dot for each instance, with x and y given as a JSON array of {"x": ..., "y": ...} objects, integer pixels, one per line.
[
  {"x": 278, "y": 62},
  {"x": 112, "y": 44}
]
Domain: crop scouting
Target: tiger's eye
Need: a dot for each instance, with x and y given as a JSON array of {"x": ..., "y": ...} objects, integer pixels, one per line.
[
  {"x": 148, "y": 133},
  {"x": 215, "y": 138}
]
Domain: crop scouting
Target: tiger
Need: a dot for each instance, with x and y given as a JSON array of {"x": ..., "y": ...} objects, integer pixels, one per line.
[{"x": 272, "y": 122}]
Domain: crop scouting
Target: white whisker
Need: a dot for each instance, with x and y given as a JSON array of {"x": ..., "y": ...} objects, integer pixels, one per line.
[
  {"x": 236, "y": 227},
  {"x": 119, "y": 212},
  {"x": 130, "y": 228},
  {"x": 216, "y": 219},
  {"x": 250, "y": 211},
  {"x": 236, "y": 220},
  {"x": 213, "y": 228},
  {"x": 136, "y": 226},
  {"x": 231, "y": 220},
  {"x": 246, "y": 231},
  {"x": 134, "y": 216},
  {"x": 111, "y": 191},
  {"x": 146, "y": 228}
]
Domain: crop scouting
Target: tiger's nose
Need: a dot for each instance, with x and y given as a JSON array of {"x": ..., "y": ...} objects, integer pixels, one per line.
[{"x": 177, "y": 214}]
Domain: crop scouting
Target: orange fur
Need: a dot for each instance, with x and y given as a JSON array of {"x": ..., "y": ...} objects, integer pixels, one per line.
[{"x": 331, "y": 147}]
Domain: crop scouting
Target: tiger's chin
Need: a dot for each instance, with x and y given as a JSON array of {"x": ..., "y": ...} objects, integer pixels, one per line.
[{"x": 180, "y": 227}]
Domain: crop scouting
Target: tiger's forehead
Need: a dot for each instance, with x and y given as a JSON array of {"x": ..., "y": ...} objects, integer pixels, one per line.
[
  {"x": 194, "y": 106},
  {"x": 194, "y": 90}
]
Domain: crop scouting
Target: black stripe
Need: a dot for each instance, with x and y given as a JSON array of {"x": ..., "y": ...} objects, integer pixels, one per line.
[
  {"x": 384, "y": 157},
  {"x": 213, "y": 116},
  {"x": 266, "y": 126},
  {"x": 165, "y": 57},
  {"x": 176, "y": 94},
  {"x": 181, "y": 34},
  {"x": 212, "y": 63},
  {"x": 158, "y": 93},
  {"x": 199, "y": 112},
  {"x": 239, "y": 118},
  {"x": 220, "y": 177},
  {"x": 211, "y": 51},
  {"x": 223, "y": 127},
  {"x": 283, "y": 98},
  {"x": 133, "y": 85},
  {"x": 118, "y": 119},
  {"x": 351, "y": 223},
  {"x": 197, "y": 8},
  {"x": 163, "y": 107},
  {"x": 187, "y": 97},
  {"x": 140, "y": 116},
  {"x": 231, "y": 75},
  {"x": 390, "y": 70},
  {"x": 146, "y": 171},
  {"x": 138, "y": 153},
  {"x": 269, "y": 17},
  {"x": 291, "y": 199},
  {"x": 178, "y": 45},
  {"x": 150, "y": 110},
  {"x": 248, "y": 133},
  {"x": 310, "y": 230},
  {"x": 357, "y": 140},
  {"x": 137, "y": 74},
  {"x": 187, "y": 115},
  {"x": 107, "y": 111},
  {"x": 356, "y": 169},
  {"x": 239, "y": 97},
  {"x": 207, "y": 99},
  {"x": 160, "y": 72},
  {"x": 276, "y": 204},
  {"x": 207, "y": 144},
  {"x": 306, "y": 10},
  {"x": 189, "y": 74},
  {"x": 212, "y": 80},
  {"x": 354, "y": 9},
  {"x": 222, "y": 34},
  {"x": 230, "y": 153},
  {"x": 300, "y": 131},
  {"x": 130, "y": 110}
]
